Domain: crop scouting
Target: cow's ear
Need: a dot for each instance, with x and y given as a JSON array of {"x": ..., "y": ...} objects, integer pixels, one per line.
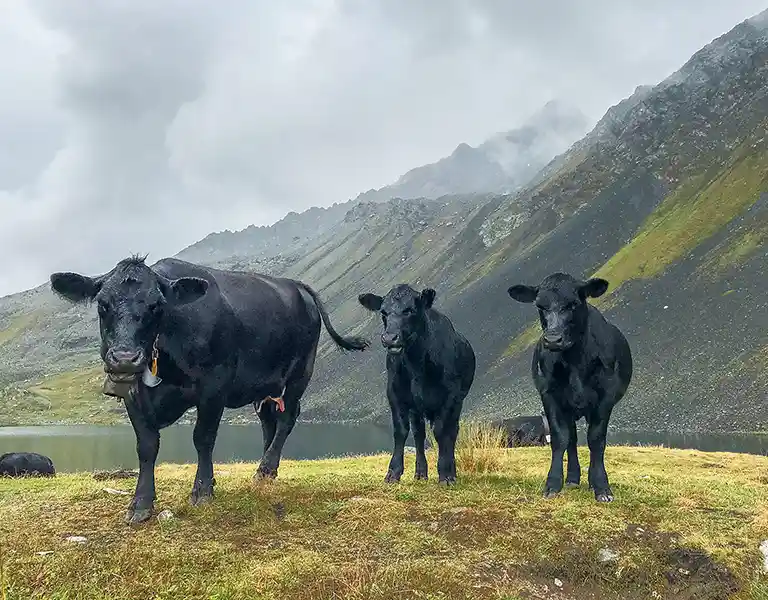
[
  {"x": 593, "y": 288},
  {"x": 428, "y": 298},
  {"x": 185, "y": 290},
  {"x": 370, "y": 301},
  {"x": 523, "y": 293},
  {"x": 74, "y": 287}
]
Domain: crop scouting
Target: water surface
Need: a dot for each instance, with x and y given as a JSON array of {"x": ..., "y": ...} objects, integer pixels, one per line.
[{"x": 88, "y": 447}]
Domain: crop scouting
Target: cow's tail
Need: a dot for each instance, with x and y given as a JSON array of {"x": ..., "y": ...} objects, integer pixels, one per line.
[{"x": 345, "y": 343}]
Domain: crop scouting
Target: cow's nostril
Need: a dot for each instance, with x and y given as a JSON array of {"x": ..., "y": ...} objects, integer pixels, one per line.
[
  {"x": 389, "y": 339},
  {"x": 123, "y": 357}
]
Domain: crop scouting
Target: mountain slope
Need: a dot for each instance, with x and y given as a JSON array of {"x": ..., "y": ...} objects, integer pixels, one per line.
[
  {"x": 646, "y": 199},
  {"x": 666, "y": 197},
  {"x": 501, "y": 164}
]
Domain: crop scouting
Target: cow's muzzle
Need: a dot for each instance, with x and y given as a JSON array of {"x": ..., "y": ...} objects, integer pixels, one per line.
[
  {"x": 392, "y": 342},
  {"x": 124, "y": 366},
  {"x": 555, "y": 341}
]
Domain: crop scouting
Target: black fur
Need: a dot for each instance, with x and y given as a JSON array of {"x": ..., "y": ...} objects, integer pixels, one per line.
[
  {"x": 224, "y": 340},
  {"x": 430, "y": 369},
  {"x": 582, "y": 367}
]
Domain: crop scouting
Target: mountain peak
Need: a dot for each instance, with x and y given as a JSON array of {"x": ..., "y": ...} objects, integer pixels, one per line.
[{"x": 760, "y": 20}]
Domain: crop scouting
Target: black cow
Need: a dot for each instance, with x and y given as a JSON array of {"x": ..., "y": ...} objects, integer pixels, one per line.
[
  {"x": 182, "y": 335},
  {"x": 430, "y": 368},
  {"x": 26, "y": 464},
  {"x": 582, "y": 367},
  {"x": 525, "y": 431}
]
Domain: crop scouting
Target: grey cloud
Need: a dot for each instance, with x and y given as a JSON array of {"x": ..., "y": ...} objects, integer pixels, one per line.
[{"x": 141, "y": 126}]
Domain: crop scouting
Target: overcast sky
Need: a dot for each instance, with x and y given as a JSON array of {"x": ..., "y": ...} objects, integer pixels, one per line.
[{"x": 140, "y": 126}]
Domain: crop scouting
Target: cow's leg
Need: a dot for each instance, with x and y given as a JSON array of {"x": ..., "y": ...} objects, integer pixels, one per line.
[
  {"x": 446, "y": 430},
  {"x": 147, "y": 447},
  {"x": 400, "y": 428},
  {"x": 419, "y": 438},
  {"x": 560, "y": 436},
  {"x": 596, "y": 439},
  {"x": 268, "y": 422},
  {"x": 285, "y": 421},
  {"x": 204, "y": 437},
  {"x": 573, "y": 477}
]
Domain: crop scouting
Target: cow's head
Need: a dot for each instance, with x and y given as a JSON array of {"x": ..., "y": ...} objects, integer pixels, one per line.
[
  {"x": 403, "y": 312},
  {"x": 562, "y": 304},
  {"x": 131, "y": 300}
]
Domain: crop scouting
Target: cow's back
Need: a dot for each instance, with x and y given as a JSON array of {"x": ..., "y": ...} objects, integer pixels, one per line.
[
  {"x": 255, "y": 300},
  {"x": 266, "y": 325}
]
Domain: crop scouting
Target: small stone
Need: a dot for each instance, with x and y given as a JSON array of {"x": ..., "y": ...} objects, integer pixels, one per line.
[
  {"x": 607, "y": 555},
  {"x": 434, "y": 526},
  {"x": 115, "y": 492},
  {"x": 764, "y": 551},
  {"x": 44, "y": 553},
  {"x": 558, "y": 583},
  {"x": 77, "y": 539},
  {"x": 165, "y": 515},
  {"x": 458, "y": 510}
]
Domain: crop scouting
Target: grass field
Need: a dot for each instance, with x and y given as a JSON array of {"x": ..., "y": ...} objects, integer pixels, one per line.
[{"x": 684, "y": 524}]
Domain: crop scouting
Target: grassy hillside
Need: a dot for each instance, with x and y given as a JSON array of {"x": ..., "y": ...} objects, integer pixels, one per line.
[
  {"x": 685, "y": 525},
  {"x": 666, "y": 198}
]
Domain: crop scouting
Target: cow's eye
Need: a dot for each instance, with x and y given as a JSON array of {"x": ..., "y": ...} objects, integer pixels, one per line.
[{"x": 408, "y": 311}]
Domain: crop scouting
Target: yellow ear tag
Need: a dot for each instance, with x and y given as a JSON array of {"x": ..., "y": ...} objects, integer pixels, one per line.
[{"x": 155, "y": 354}]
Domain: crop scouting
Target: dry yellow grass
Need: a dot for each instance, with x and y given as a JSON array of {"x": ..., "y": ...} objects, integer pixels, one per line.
[{"x": 684, "y": 524}]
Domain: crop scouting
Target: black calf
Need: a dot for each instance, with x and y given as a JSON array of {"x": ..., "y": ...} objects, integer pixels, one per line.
[
  {"x": 29, "y": 464},
  {"x": 430, "y": 368},
  {"x": 525, "y": 431},
  {"x": 582, "y": 367}
]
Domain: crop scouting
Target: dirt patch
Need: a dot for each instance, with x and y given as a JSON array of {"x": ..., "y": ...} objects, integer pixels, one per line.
[{"x": 693, "y": 575}]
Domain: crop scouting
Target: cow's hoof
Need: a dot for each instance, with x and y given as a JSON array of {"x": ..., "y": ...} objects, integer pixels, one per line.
[
  {"x": 201, "y": 497},
  {"x": 572, "y": 484},
  {"x": 392, "y": 477},
  {"x": 138, "y": 516},
  {"x": 264, "y": 473},
  {"x": 550, "y": 494},
  {"x": 447, "y": 481},
  {"x": 604, "y": 497},
  {"x": 421, "y": 476}
]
